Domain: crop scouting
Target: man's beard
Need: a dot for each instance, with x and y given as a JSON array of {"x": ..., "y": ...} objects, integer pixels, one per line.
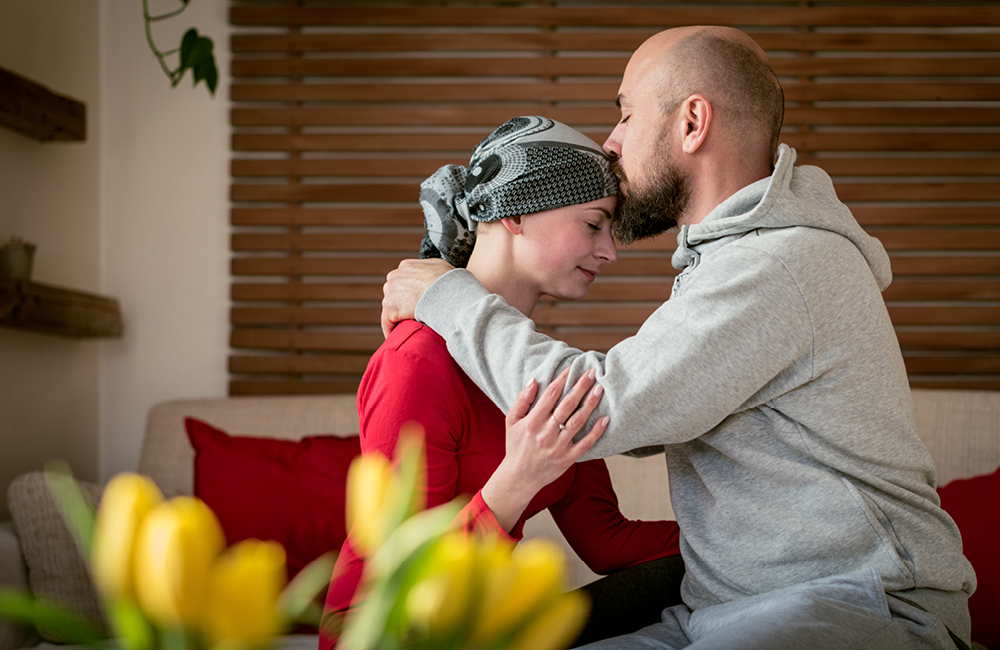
[{"x": 642, "y": 214}]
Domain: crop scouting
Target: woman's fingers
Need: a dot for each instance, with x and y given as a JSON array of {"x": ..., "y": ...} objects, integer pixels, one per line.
[
  {"x": 550, "y": 396},
  {"x": 522, "y": 403},
  {"x": 579, "y": 418},
  {"x": 582, "y": 445},
  {"x": 569, "y": 404}
]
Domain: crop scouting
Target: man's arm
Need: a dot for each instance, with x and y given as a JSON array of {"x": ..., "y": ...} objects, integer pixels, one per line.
[
  {"x": 404, "y": 286},
  {"x": 739, "y": 324}
]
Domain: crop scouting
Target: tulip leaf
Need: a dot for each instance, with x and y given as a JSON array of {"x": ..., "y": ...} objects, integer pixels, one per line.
[
  {"x": 389, "y": 571},
  {"x": 301, "y": 592},
  {"x": 131, "y": 625},
  {"x": 33, "y": 612},
  {"x": 73, "y": 505}
]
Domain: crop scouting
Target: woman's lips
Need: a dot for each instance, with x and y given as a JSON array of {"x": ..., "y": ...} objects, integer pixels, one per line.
[{"x": 591, "y": 275}]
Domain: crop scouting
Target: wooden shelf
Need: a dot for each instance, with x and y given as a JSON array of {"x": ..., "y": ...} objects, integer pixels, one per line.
[
  {"x": 39, "y": 113},
  {"x": 54, "y": 310}
]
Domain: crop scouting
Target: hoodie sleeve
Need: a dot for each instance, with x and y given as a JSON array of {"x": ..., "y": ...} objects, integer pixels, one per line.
[{"x": 740, "y": 323}]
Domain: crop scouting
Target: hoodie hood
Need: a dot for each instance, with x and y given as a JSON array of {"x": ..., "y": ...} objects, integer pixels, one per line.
[{"x": 792, "y": 196}]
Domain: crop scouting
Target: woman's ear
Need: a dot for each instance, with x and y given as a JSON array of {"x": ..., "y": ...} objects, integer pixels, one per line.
[
  {"x": 513, "y": 225},
  {"x": 696, "y": 117}
]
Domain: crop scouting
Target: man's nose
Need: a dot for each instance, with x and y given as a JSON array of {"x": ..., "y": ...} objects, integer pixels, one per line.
[{"x": 613, "y": 145}]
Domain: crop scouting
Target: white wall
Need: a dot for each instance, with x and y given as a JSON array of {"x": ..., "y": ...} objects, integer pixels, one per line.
[
  {"x": 49, "y": 196},
  {"x": 165, "y": 213},
  {"x": 138, "y": 211}
]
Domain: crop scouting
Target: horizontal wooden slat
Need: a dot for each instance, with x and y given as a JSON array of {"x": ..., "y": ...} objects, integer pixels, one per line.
[
  {"x": 909, "y": 289},
  {"x": 960, "y": 382},
  {"x": 898, "y": 166},
  {"x": 422, "y": 167},
  {"x": 555, "y": 315},
  {"x": 355, "y": 364},
  {"x": 602, "y": 40},
  {"x": 932, "y": 265},
  {"x": 407, "y": 242},
  {"x": 411, "y": 216},
  {"x": 491, "y": 115},
  {"x": 867, "y": 215},
  {"x": 348, "y": 167},
  {"x": 381, "y": 265},
  {"x": 464, "y": 142},
  {"x": 326, "y": 364},
  {"x": 307, "y": 291},
  {"x": 305, "y": 316},
  {"x": 973, "y": 239},
  {"x": 945, "y": 315},
  {"x": 946, "y": 265},
  {"x": 256, "y": 388},
  {"x": 901, "y": 289},
  {"x": 536, "y": 66},
  {"x": 970, "y": 239},
  {"x": 967, "y": 14},
  {"x": 949, "y": 340},
  {"x": 295, "y": 339},
  {"x": 500, "y": 91},
  {"x": 382, "y": 192},
  {"x": 952, "y": 365}
]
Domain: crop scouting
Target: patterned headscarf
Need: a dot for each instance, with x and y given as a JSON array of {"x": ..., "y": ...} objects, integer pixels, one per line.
[{"x": 528, "y": 165}]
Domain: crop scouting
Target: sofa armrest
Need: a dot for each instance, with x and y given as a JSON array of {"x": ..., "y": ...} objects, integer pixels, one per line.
[{"x": 13, "y": 575}]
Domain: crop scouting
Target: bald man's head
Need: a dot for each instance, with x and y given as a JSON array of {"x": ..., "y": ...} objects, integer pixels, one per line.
[{"x": 730, "y": 70}]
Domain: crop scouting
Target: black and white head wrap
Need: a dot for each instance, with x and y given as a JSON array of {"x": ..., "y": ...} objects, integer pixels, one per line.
[{"x": 528, "y": 165}]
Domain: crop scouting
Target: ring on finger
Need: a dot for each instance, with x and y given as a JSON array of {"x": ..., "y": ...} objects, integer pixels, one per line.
[{"x": 561, "y": 425}]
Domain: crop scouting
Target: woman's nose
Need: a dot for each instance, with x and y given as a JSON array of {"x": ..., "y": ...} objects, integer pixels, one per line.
[{"x": 606, "y": 249}]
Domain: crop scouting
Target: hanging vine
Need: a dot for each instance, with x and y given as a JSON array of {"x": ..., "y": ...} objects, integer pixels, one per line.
[{"x": 196, "y": 51}]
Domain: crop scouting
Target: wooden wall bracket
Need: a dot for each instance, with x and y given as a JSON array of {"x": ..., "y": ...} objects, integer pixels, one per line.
[
  {"x": 54, "y": 310},
  {"x": 39, "y": 113}
]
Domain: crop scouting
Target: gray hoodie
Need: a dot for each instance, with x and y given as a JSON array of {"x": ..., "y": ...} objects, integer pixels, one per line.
[{"x": 774, "y": 380}]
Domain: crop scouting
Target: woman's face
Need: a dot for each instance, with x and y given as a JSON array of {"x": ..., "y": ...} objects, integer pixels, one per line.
[{"x": 564, "y": 249}]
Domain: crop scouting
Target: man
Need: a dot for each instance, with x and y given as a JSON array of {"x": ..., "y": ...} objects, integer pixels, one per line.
[{"x": 772, "y": 376}]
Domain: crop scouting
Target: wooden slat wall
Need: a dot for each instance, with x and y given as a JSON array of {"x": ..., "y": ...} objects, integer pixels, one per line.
[{"x": 340, "y": 109}]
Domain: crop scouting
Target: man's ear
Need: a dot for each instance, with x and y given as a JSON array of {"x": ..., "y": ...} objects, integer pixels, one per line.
[
  {"x": 696, "y": 118},
  {"x": 512, "y": 224}
]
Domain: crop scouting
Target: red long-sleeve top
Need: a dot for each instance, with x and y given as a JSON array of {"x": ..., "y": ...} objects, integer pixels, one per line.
[{"x": 412, "y": 378}]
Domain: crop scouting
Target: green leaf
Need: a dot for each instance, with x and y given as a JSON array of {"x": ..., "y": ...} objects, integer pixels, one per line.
[
  {"x": 197, "y": 55},
  {"x": 301, "y": 592},
  {"x": 74, "y": 507},
  {"x": 27, "y": 610},
  {"x": 131, "y": 626}
]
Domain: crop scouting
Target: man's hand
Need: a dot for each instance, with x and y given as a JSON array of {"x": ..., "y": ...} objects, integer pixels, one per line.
[{"x": 404, "y": 286}]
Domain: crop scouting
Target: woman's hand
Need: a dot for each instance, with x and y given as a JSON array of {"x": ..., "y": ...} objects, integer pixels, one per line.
[{"x": 540, "y": 445}]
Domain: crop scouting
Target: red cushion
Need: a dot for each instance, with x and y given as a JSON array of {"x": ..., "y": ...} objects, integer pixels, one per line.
[
  {"x": 974, "y": 504},
  {"x": 290, "y": 491}
]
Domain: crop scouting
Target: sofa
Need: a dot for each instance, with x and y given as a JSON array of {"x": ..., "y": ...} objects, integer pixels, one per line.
[{"x": 961, "y": 428}]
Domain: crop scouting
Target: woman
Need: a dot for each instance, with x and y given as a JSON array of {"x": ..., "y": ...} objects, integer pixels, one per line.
[{"x": 531, "y": 215}]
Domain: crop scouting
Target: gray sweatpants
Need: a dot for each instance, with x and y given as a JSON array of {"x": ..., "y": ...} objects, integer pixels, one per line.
[{"x": 845, "y": 611}]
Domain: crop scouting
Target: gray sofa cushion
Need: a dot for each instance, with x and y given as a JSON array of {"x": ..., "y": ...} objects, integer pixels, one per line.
[{"x": 56, "y": 570}]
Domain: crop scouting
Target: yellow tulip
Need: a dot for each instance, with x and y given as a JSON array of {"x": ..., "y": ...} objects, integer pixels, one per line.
[
  {"x": 442, "y": 596},
  {"x": 556, "y": 626},
  {"x": 127, "y": 499},
  {"x": 244, "y": 585},
  {"x": 178, "y": 542},
  {"x": 516, "y": 586},
  {"x": 372, "y": 491}
]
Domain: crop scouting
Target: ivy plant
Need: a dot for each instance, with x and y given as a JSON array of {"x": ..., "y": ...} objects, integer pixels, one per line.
[{"x": 196, "y": 51}]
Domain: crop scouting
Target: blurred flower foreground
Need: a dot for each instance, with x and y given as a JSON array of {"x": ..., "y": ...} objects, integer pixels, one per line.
[
  {"x": 167, "y": 581},
  {"x": 431, "y": 585}
]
